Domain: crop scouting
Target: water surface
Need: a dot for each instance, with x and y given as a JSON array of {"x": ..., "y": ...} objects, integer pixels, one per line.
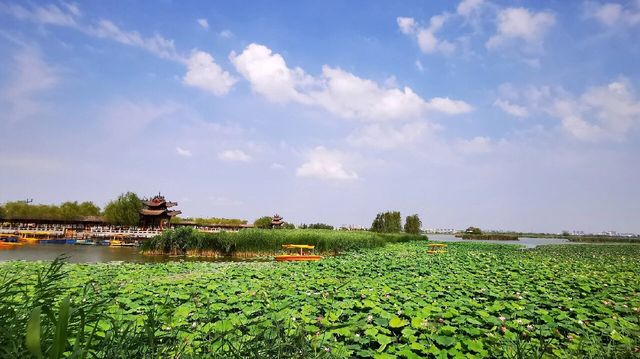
[{"x": 97, "y": 254}]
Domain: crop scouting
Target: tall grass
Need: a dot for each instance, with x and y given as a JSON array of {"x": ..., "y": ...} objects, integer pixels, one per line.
[{"x": 261, "y": 241}]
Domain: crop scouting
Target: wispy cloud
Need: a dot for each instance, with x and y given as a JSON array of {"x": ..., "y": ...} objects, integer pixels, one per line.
[
  {"x": 183, "y": 152},
  {"x": 234, "y": 156},
  {"x": 32, "y": 76},
  {"x": 203, "y": 23},
  {"x": 521, "y": 25},
  {"x": 326, "y": 164}
]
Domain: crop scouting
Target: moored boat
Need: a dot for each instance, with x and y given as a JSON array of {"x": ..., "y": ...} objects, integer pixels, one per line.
[
  {"x": 300, "y": 254},
  {"x": 85, "y": 242},
  {"x": 9, "y": 245},
  {"x": 9, "y": 238}
]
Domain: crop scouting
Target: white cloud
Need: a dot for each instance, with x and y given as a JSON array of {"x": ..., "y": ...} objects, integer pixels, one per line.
[
  {"x": 407, "y": 25},
  {"x": 204, "y": 73},
  {"x": 448, "y": 106},
  {"x": 326, "y": 164},
  {"x": 466, "y": 7},
  {"x": 607, "y": 112},
  {"x": 203, "y": 23},
  {"x": 521, "y": 24},
  {"x": 51, "y": 14},
  {"x": 426, "y": 36},
  {"x": 226, "y": 34},
  {"x": 234, "y": 156},
  {"x": 614, "y": 14},
  {"x": 335, "y": 90},
  {"x": 475, "y": 145},
  {"x": 31, "y": 76},
  {"x": 268, "y": 74},
  {"x": 276, "y": 166},
  {"x": 512, "y": 109},
  {"x": 388, "y": 137},
  {"x": 419, "y": 66},
  {"x": 183, "y": 152},
  {"x": 156, "y": 44}
]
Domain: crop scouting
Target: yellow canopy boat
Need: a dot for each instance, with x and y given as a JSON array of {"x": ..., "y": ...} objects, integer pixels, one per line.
[
  {"x": 436, "y": 248},
  {"x": 300, "y": 256}
]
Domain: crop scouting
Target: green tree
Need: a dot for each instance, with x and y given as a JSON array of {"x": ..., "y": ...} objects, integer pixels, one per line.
[
  {"x": 387, "y": 222},
  {"x": 287, "y": 225},
  {"x": 378, "y": 223},
  {"x": 413, "y": 224},
  {"x": 124, "y": 211},
  {"x": 89, "y": 209},
  {"x": 263, "y": 222},
  {"x": 69, "y": 211},
  {"x": 3, "y": 212},
  {"x": 473, "y": 230}
]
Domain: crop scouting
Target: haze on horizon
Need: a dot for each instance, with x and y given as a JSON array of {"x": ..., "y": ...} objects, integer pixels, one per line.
[{"x": 518, "y": 115}]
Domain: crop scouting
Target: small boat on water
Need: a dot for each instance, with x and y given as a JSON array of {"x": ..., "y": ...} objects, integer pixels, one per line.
[
  {"x": 85, "y": 242},
  {"x": 33, "y": 236},
  {"x": 120, "y": 240},
  {"x": 297, "y": 253},
  {"x": 9, "y": 245},
  {"x": 8, "y": 238}
]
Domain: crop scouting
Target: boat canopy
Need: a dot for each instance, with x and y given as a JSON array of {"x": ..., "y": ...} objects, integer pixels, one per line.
[{"x": 300, "y": 246}]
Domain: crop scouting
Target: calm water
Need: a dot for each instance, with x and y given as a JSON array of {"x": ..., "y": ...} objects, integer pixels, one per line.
[
  {"x": 528, "y": 242},
  {"x": 93, "y": 254}
]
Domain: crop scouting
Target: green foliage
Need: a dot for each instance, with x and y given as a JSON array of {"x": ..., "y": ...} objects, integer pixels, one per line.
[
  {"x": 124, "y": 211},
  {"x": 387, "y": 222},
  {"x": 413, "y": 224},
  {"x": 66, "y": 211},
  {"x": 260, "y": 241},
  {"x": 263, "y": 222},
  {"x": 475, "y": 301},
  {"x": 210, "y": 221},
  {"x": 287, "y": 225},
  {"x": 316, "y": 226},
  {"x": 490, "y": 236},
  {"x": 473, "y": 230}
]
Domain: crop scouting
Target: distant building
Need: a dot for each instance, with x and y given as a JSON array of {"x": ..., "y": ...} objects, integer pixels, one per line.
[
  {"x": 156, "y": 212},
  {"x": 277, "y": 221}
]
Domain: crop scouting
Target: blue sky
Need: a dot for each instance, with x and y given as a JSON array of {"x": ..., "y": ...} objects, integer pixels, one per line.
[{"x": 519, "y": 115}]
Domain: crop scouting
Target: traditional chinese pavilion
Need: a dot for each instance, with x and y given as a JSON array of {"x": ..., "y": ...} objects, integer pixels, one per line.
[
  {"x": 277, "y": 221},
  {"x": 156, "y": 212}
]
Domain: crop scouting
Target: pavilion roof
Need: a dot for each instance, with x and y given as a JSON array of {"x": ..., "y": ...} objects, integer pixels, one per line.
[{"x": 153, "y": 212}]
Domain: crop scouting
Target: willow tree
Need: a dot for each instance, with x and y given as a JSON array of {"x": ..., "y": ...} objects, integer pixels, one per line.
[{"x": 124, "y": 210}]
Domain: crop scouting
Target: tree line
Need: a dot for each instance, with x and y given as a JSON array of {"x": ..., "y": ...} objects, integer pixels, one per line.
[
  {"x": 67, "y": 211},
  {"x": 391, "y": 222}
]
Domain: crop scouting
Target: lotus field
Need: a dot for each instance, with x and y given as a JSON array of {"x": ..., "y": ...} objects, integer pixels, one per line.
[{"x": 476, "y": 301}]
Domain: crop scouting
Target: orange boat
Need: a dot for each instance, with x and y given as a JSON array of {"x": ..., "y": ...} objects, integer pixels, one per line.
[
  {"x": 9, "y": 245},
  {"x": 300, "y": 256}
]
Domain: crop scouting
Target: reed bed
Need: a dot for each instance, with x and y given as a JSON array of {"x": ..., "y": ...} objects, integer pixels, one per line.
[{"x": 252, "y": 242}]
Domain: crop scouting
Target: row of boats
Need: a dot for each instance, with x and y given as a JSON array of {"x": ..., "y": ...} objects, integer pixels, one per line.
[{"x": 12, "y": 240}]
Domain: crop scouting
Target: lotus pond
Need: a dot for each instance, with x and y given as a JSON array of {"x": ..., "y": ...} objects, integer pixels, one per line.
[{"x": 476, "y": 300}]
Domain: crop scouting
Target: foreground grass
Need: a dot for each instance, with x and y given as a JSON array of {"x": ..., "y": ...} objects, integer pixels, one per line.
[{"x": 477, "y": 300}]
